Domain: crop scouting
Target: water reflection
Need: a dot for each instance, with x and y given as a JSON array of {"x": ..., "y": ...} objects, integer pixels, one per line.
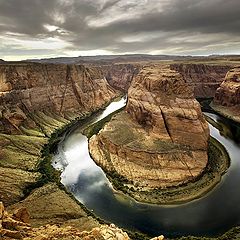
[{"x": 214, "y": 214}]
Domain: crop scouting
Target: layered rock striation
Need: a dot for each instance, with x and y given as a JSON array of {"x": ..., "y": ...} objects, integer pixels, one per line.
[
  {"x": 161, "y": 139},
  {"x": 30, "y": 90},
  {"x": 120, "y": 76},
  {"x": 204, "y": 78},
  {"x": 35, "y": 101},
  {"x": 227, "y": 97}
]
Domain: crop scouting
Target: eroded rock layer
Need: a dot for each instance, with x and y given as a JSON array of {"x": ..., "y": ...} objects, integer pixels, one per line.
[
  {"x": 161, "y": 138},
  {"x": 34, "y": 89},
  {"x": 35, "y": 101},
  {"x": 204, "y": 78},
  {"x": 227, "y": 97},
  {"x": 120, "y": 76}
]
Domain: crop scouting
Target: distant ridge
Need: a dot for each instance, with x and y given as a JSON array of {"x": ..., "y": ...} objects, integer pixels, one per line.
[{"x": 110, "y": 58}]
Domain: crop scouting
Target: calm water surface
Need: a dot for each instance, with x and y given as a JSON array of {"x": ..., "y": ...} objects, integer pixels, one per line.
[{"x": 211, "y": 215}]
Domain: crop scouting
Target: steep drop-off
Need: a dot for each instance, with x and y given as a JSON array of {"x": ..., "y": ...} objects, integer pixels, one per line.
[
  {"x": 35, "y": 101},
  {"x": 161, "y": 139},
  {"x": 120, "y": 76},
  {"x": 227, "y": 97},
  {"x": 65, "y": 90},
  {"x": 204, "y": 78}
]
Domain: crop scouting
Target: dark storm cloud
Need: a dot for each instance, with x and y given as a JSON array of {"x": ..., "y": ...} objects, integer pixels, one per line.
[{"x": 127, "y": 25}]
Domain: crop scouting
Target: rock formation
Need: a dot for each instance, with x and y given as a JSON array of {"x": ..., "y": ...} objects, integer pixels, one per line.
[
  {"x": 35, "y": 101},
  {"x": 34, "y": 89},
  {"x": 16, "y": 226},
  {"x": 205, "y": 78},
  {"x": 227, "y": 97},
  {"x": 161, "y": 139},
  {"x": 120, "y": 76}
]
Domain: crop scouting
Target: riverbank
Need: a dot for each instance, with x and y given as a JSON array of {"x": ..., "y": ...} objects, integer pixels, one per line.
[
  {"x": 217, "y": 165},
  {"x": 39, "y": 186},
  {"x": 137, "y": 234},
  {"x": 231, "y": 113}
]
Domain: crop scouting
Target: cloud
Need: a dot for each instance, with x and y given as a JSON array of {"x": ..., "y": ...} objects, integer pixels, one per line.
[{"x": 123, "y": 26}]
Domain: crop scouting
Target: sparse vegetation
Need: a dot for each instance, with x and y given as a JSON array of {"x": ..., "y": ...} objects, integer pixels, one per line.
[
  {"x": 218, "y": 163},
  {"x": 89, "y": 131}
]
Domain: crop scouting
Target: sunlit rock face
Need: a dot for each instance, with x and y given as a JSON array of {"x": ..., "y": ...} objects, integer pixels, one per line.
[
  {"x": 227, "y": 97},
  {"x": 16, "y": 226},
  {"x": 65, "y": 90},
  {"x": 204, "y": 78},
  {"x": 161, "y": 138},
  {"x": 35, "y": 101}
]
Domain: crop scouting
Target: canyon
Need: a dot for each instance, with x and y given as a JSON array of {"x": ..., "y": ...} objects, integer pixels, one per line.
[
  {"x": 36, "y": 100},
  {"x": 39, "y": 100},
  {"x": 227, "y": 97}
]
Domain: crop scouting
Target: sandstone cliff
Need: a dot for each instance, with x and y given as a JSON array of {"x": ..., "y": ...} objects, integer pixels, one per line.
[
  {"x": 204, "y": 78},
  {"x": 35, "y": 89},
  {"x": 120, "y": 76},
  {"x": 227, "y": 97},
  {"x": 35, "y": 101},
  {"x": 161, "y": 138}
]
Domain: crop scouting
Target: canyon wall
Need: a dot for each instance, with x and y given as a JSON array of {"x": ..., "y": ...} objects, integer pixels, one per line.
[
  {"x": 161, "y": 139},
  {"x": 35, "y": 101},
  {"x": 227, "y": 97},
  {"x": 204, "y": 78},
  {"x": 120, "y": 76},
  {"x": 34, "y": 89}
]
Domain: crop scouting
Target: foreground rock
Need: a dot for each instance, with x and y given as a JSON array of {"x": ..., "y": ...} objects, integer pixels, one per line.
[
  {"x": 16, "y": 226},
  {"x": 227, "y": 97},
  {"x": 161, "y": 139},
  {"x": 50, "y": 205}
]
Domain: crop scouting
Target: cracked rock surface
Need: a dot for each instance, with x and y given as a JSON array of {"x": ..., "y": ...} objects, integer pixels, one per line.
[
  {"x": 161, "y": 139},
  {"x": 227, "y": 97}
]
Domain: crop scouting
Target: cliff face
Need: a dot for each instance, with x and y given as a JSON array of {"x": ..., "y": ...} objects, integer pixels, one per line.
[
  {"x": 36, "y": 100},
  {"x": 120, "y": 76},
  {"x": 227, "y": 97},
  {"x": 205, "y": 79},
  {"x": 161, "y": 139},
  {"x": 26, "y": 89}
]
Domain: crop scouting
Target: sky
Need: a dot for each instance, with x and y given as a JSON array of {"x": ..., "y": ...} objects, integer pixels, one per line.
[{"x": 70, "y": 28}]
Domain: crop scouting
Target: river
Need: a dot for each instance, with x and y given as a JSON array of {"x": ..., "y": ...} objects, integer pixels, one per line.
[{"x": 211, "y": 215}]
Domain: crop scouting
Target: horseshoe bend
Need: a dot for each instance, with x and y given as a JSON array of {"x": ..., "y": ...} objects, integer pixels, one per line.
[
  {"x": 159, "y": 142},
  {"x": 157, "y": 149}
]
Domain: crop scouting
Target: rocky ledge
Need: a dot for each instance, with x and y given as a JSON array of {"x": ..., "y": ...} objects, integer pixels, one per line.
[
  {"x": 161, "y": 139},
  {"x": 16, "y": 226},
  {"x": 227, "y": 97}
]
